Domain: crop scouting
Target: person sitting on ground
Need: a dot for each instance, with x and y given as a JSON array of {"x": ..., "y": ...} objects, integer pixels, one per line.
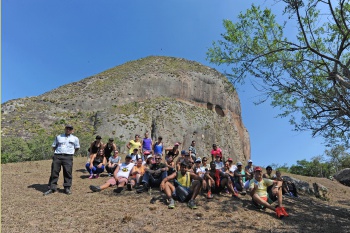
[
  {"x": 96, "y": 165},
  {"x": 216, "y": 151},
  {"x": 134, "y": 144},
  {"x": 146, "y": 145},
  {"x": 109, "y": 148},
  {"x": 200, "y": 171},
  {"x": 95, "y": 146},
  {"x": 136, "y": 175},
  {"x": 182, "y": 182},
  {"x": 192, "y": 150},
  {"x": 174, "y": 152},
  {"x": 113, "y": 162},
  {"x": 154, "y": 175},
  {"x": 260, "y": 197},
  {"x": 120, "y": 177},
  {"x": 180, "y": 159},
  {"x": 268, "y": 174},
  {"x": 218, "y": 163},
  {"x": 240, "y": 178},
  {"x": 288, "y": 187},
  {"x": 217, "y": 181},
  {"x": 233, "y": 166},
  {"x": 149, "y": 161},
  {"x": 158, "y": 147},
  {"x": 249, "y": 170},
  {"x": 135, "y": 155},
  {"x": 205, "y": 164},
  {"x": 171, "y": 165}
]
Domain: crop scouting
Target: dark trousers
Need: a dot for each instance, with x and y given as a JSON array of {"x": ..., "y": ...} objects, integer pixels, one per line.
[
  {"x": 66, "y": 161},
  {"x": 111, "y": 169},
  {"x": 153, "y": 182}
]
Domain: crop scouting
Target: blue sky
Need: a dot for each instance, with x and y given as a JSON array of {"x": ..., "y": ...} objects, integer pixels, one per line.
[{"x": 46, "y": 44}]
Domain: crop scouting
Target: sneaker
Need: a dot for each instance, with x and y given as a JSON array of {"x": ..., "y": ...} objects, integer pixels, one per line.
[
  {"x": 95, "y": 188},
  {"x": 118, "y": 190},
  {"x": 67, "y": 191},
  {"x": 209, "y": 195},
  {"x": 171, "y": 204},
  {"x": 243, "y": 193},
  {"x": 279, "y": 212},
  {"x": 192, "y": 204},
  {"x": 91, "y": 176},
  {"x": 97, "y": 176},
  {"x": 129, "y": 187},
  {"x": 48, "y": 192},
  {"x": 284, "y": 212}
]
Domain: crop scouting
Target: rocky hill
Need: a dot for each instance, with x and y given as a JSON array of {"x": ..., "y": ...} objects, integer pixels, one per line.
[{"x": 178, "y": 99}]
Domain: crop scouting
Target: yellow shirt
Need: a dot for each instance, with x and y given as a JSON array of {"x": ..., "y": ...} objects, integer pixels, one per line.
[
  {"x": 134, "y": 145},
  {"x": 262, "y": 186},
  {"x": 185, "y": 180}
]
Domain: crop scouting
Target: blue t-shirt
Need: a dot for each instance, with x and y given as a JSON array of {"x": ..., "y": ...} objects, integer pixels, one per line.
[{"x": 66, "y": 144}]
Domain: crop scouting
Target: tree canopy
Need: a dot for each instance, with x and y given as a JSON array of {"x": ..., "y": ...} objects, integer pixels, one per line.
[{"x": 304, "y": 72}]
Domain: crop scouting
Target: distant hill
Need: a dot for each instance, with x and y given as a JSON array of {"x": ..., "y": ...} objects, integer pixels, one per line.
[{"x": 178, "y": 99}]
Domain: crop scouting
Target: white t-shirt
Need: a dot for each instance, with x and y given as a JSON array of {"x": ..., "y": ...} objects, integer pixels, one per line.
[
  {"x": 233, "y": 168},
  {"x": 125, "y": 169}
]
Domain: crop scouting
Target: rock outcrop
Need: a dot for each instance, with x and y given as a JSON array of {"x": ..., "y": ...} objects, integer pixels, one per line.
[
  {"x": 343, "y": 176},
  {"x": 178, "y": 99}
]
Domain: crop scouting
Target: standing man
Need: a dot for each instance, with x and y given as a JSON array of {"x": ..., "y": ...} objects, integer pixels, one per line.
[
  {"x": 192, "y": 150},
  {"x": 64, "y": 147}
]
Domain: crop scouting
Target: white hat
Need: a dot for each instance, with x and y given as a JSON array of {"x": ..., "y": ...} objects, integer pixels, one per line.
[
  {"x": 250, "y": 161},
  {"x": 198, "y": 160},
  {"x": 149, "y": 156}
]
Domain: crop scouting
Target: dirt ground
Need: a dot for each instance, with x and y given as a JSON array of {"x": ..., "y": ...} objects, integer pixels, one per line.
[{"x": 25, "y": 209}]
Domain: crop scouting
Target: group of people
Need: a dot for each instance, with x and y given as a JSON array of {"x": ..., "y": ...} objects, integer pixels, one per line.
[{"x": 182, "y": 176}]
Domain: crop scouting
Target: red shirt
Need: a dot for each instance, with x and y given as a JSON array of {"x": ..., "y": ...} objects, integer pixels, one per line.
[{"x": 218, "y": 151}]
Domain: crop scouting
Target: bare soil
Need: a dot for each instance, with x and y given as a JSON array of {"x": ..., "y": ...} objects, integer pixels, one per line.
[{"x": 25, "y": 209}]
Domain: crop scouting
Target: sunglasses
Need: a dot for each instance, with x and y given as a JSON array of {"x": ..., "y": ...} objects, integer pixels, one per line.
[{"x": 158, "y": 158}]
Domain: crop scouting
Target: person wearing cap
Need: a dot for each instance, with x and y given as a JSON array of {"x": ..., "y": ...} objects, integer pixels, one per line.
[
  {"x": 97, "y": 164},
  {"x": 109, "y": 148},
  {"x": 233, "y": 166},
  {"x": 249, "y": 170},
  {"x": 154, "y": 174},
  {"x": 185, "y": 180},
  {"x": 146, "y": 145},
  {"x": 149, "y": 161},
  {"x": 216, "y": 151},
  {"x": 261, "y": 198},
  {"x": 158, "y": 146},
  {"x": 200, "y": 171},
  {"x": 134, "y": 144},
  {"x": 120, "y": 177},
  {"x": 240, "y": 178},
  {"x": 217, "y": 181},
  {"x": 135, "y": 155},
  {"x": 113, "y": 162},
  {"x": 64, "y": 146},
  {"x": 192, "y": 150},
  {"x": 95, "y": 146}
]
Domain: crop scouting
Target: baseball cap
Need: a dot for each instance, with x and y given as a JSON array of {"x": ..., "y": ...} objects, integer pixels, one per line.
[
  {"x": 69, "y": 126},
  {"x": 176, "y": 144},
  {"x": 98, "y": 137},
  {"x": 257, "y": 169},
  {"x": 198, "y": 160},
  {"x": 239, "y": 164},
  {"x": 230, "y": 160},
  {"x": 250, "y": 161},
  {"x": 128, "y": 157},
  {"x": 183, "y": 152},
  {"x": 149, "y": 156}
]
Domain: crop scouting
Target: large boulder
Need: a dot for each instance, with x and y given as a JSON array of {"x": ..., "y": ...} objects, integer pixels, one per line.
[
  {"x": 178, "y": 99},
  {"x": 343, "y": 176}
]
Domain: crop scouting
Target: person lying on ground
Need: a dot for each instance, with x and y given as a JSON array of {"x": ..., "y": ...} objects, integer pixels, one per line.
[
  {"x": 97, "y": 164},
  {"x": 187, "y": 186},
  {"x": 261, "y": 198},
  {"x": 120, "y": 177}
]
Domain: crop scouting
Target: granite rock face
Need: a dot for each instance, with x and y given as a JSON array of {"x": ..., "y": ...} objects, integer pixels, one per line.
[
  {"x": 343, "y": 176},
  {"x": 177, "y": 99}
]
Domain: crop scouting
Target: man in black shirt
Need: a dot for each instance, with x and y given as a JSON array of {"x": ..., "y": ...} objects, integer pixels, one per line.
[{"x": 154, "y": 174}]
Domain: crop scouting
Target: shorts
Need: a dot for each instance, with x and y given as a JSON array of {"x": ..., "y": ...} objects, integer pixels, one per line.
[{"x": 113, "y": 182}]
